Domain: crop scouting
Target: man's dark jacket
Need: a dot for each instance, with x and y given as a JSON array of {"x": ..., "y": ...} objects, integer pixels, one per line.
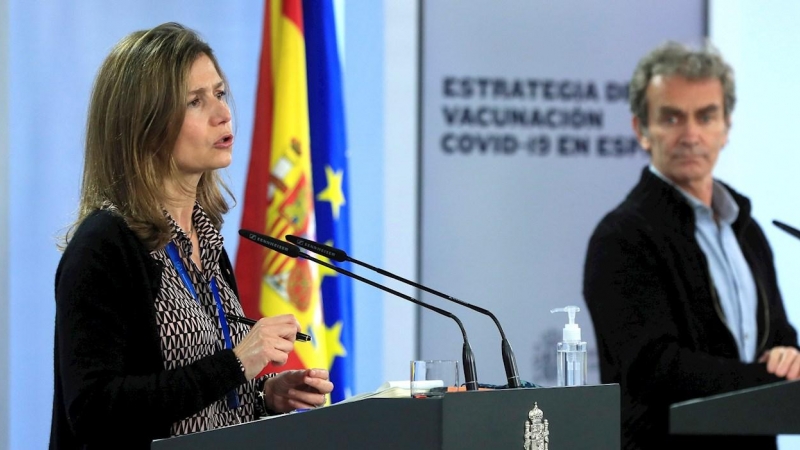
[{"x": 660, "y": 329}]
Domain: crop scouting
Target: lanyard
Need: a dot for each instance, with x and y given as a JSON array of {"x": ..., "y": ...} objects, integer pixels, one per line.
[{"x": 177, "y": 262}]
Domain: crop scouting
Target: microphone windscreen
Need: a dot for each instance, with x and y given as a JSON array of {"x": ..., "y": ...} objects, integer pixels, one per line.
[
  {"x": 271, "y": 243},
  {"x": 320, "y": 249}
]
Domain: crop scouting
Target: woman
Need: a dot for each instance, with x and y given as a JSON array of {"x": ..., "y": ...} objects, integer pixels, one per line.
[{"x": 141, "y": 349}]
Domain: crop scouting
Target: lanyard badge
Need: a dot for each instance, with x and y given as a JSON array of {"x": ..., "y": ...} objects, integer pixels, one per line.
[{"x": 177, "y": 262}]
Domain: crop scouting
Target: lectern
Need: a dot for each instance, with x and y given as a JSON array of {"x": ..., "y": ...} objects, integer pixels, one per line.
[
  {"x": 581, "y": 417},
  {"x": 770, "y": 409}
]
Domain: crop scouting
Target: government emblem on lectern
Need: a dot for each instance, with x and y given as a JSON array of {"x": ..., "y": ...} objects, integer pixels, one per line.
[{"x": 537, "y": 433}]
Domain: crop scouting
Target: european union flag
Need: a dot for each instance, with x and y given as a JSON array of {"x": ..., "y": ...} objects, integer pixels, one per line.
[{"x": 330, "y": 176}]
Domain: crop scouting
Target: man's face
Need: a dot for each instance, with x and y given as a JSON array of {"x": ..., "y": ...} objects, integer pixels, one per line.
[{"x": 687, "y": 128}]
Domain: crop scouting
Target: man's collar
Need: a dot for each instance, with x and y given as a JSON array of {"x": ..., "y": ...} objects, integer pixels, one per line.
[{"x": 723, "y": 206}]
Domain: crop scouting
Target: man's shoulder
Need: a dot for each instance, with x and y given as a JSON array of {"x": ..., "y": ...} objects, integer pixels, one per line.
[
  {"x": 628, "y": 216},
  {"x": 651, "y": 205}
]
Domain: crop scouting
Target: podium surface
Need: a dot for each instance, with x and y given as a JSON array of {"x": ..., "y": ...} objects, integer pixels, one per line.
[
  {"x": 770, "y": 409},
  {"x": 581, "y": 417}
]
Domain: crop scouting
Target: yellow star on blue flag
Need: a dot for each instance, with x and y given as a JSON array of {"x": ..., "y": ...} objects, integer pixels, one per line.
[
  {"x": 333, "y": 191},
  {"x": 330, "y": 179}
]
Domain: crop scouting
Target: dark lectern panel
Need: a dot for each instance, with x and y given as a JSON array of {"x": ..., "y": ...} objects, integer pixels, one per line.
[
  {"x": 771, "y": 409},
  {"x": 383, "y": 423},
  {"x": 585, "y": 417}
]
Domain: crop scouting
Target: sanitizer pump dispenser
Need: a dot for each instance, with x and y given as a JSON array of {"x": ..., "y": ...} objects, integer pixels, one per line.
[{"x": 571, "y": 351}]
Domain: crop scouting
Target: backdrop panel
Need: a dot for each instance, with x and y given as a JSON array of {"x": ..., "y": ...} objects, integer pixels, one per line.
[{"x": 526, "y": 143}]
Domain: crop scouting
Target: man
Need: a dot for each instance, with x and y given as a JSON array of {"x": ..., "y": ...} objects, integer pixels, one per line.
[{"x": 679, "y": 278}]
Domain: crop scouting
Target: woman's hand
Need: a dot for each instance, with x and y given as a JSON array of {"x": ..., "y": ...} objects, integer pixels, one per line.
[
  {"x": 297, "y": 389},
  {"x": 269, "y": 341}
]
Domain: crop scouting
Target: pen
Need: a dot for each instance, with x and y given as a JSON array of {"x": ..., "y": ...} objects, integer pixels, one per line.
[{"x": 302, "y": 337}]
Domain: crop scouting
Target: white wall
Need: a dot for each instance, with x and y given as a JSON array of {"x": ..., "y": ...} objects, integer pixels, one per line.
[
  {"x": 363, "y": 103},
  {"x": 762, "y": 158},
  {"x": 508, "y": 230},
  {"x": 400, "y": 181},
  {"x": 4, "y": 144}
]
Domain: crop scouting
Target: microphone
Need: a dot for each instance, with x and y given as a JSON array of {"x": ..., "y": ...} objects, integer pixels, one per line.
[
  {"x": 509, "y": 361},
  {"x": 791, "y": 230},
  {"x": 470, "y": 371}
]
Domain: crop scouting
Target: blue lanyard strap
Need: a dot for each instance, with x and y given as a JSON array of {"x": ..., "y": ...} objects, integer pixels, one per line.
[
  {"x": 177, "y": 262},
  {"x": 223, "y": 321}
]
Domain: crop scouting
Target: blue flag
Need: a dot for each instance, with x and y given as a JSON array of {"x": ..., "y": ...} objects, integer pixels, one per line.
[{"x": 330, "y": 178}]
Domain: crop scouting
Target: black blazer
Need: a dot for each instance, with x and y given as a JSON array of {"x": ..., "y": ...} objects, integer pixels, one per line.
[
  {"x": 110, "y": 386},
  {"x": 660, "y": 330}
]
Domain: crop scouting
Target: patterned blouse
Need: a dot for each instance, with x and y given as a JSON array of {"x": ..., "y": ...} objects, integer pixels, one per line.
[{"x": 191, "y": 330}]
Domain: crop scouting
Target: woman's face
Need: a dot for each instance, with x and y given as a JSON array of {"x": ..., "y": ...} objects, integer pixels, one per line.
[{"x": 205, "y": 141}]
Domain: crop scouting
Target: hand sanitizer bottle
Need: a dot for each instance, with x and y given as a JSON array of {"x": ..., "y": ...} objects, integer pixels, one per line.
[{"x": 572, "y": 362}]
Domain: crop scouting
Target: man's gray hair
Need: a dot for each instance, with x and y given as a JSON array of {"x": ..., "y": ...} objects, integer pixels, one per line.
[{"x": 673, "y": 58}]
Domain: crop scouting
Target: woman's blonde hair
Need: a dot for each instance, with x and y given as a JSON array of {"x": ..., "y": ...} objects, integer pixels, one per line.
[{"x": 135, "y": 115}]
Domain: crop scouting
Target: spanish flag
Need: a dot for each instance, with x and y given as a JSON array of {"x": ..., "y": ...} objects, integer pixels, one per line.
[{"x": 283, "y": 192}]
